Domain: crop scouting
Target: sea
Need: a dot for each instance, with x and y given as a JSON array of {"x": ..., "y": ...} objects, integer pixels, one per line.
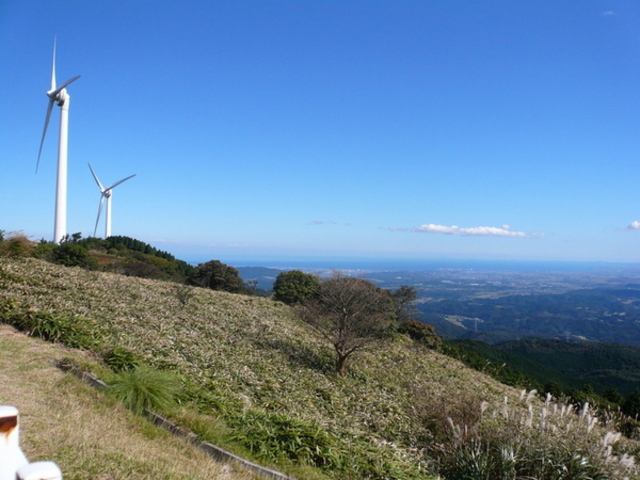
[{"x": 418, "y": 265}]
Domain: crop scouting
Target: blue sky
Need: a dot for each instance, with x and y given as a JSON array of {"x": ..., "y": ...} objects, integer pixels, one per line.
[{"x": 386, "y": 129}]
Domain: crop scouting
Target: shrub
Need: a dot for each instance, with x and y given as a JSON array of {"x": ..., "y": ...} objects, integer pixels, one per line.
[
  {"x": 422, "y": 333},
  {"x": 274, "y": 436},
  {"x": 121, "y": 359},
  {"x": 73, "y": 255},
  {"x": 71, "y": 331},
  {"x": 16, "y": 244},
  {"x": 143, "y": 389}
]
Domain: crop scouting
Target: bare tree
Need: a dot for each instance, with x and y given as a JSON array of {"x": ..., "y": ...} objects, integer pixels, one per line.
[
  {"x": 350, "y": 313},
  {"x": 404, "y": 303}
]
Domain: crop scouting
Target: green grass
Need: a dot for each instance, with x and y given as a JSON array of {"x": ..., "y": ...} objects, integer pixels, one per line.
[{"x": 144, "y": 390}]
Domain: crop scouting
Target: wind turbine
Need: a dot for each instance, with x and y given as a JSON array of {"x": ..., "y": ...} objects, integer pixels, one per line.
[
  {"x": 106, "y": 193},
  {"x": 60, "y": 96}
]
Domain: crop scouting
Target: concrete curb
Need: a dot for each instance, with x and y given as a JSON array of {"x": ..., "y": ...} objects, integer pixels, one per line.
[{"x": 217, "y": 453}]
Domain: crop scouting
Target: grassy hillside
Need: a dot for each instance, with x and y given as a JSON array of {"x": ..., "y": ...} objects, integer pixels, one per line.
[
  {"x": 268, "y": 383},
  {"x": 85, "y": 432}
]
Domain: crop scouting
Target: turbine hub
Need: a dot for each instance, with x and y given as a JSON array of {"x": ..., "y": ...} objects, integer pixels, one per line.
[{"x": 60, "y": 98}]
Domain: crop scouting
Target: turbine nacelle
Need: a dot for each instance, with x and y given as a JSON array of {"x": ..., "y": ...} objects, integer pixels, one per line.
[{"x": 59, "y": 95}]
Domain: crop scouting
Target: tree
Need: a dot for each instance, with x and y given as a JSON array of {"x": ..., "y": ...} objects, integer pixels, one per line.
[
  {"x": 554, "y": 388},
  {"x": 217, "y": 276},
  {"x": 613, "y": 395},
  {"x": 404, "y": 306},
  {"x": 294, "y": 286},
  {"x": 350, "y": 313},
  {"x": 631, "y": 405}
]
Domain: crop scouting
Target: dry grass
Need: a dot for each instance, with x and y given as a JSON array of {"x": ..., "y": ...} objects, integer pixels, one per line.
[
  {"x": 250, "y": 356},
  {"x": 85, "y": 432}
]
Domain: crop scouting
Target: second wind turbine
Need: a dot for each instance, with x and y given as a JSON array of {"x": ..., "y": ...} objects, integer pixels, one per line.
[{"x": 106, "y": 193}]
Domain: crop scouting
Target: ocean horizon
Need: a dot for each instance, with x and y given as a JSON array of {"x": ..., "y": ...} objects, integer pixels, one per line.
[{"x": 407, "y": 264}]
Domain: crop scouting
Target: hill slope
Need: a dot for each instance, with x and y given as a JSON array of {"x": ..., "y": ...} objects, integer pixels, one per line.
[
  {"x": 83, "y": 431},
  {"x": 249, "y": 362}
]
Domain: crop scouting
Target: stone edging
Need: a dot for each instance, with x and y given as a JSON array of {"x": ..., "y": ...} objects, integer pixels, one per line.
[{"x": 217, "y": 453}]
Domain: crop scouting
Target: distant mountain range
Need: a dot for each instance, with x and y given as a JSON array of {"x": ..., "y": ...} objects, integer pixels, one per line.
[{"x": 263, "y": 275}]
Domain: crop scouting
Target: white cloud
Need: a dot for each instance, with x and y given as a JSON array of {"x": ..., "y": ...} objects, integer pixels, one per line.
[
  {"x": 609, "y": 13},
  {"x": 503, "y": 231},
  {"x": 634, "y": 225}
]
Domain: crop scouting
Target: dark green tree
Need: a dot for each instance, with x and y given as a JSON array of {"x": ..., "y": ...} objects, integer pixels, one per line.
[
  {"x": 350, "y": 313},
  {"x": 554, "y": 388},
  {"x": 613, "y": 395},
  {"x": 631, "y": 405},
  {"x": 217, "y": 276},
  {"x": 294, "y": 287}
]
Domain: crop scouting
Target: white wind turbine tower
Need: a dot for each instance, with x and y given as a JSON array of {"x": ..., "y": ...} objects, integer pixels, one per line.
[
  {"x": 60, "y": 96},
  {"x": 106, "y": 193}
]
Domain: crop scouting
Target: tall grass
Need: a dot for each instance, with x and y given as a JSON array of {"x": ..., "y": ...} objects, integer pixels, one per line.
[
  {"x": 533, "y": 440},
  {"x": 143, "y": 389}
]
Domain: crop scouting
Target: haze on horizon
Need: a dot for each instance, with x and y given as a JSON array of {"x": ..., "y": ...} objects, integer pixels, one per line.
[{"x": 411, "y": 129}]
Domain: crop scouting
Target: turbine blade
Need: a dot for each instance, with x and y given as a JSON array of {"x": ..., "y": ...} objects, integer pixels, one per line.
[
  {"x": 96, "y": 178},
  {"x": 99, "y": 211},
  {"x": 53, "y": 65},
  {"x": 119, "y": 182},
  {"x": 54, "y": 93},
  {"x": 44, "y": 132}
]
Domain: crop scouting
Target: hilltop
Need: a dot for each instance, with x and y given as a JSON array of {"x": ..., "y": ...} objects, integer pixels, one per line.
[{"x": 266, "y": 383}]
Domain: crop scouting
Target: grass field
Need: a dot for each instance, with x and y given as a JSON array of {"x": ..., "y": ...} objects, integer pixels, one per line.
[{"x": 85, "y": 432}]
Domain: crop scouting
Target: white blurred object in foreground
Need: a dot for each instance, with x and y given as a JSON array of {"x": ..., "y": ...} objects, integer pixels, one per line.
[{"x": 13, "y": 463}]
